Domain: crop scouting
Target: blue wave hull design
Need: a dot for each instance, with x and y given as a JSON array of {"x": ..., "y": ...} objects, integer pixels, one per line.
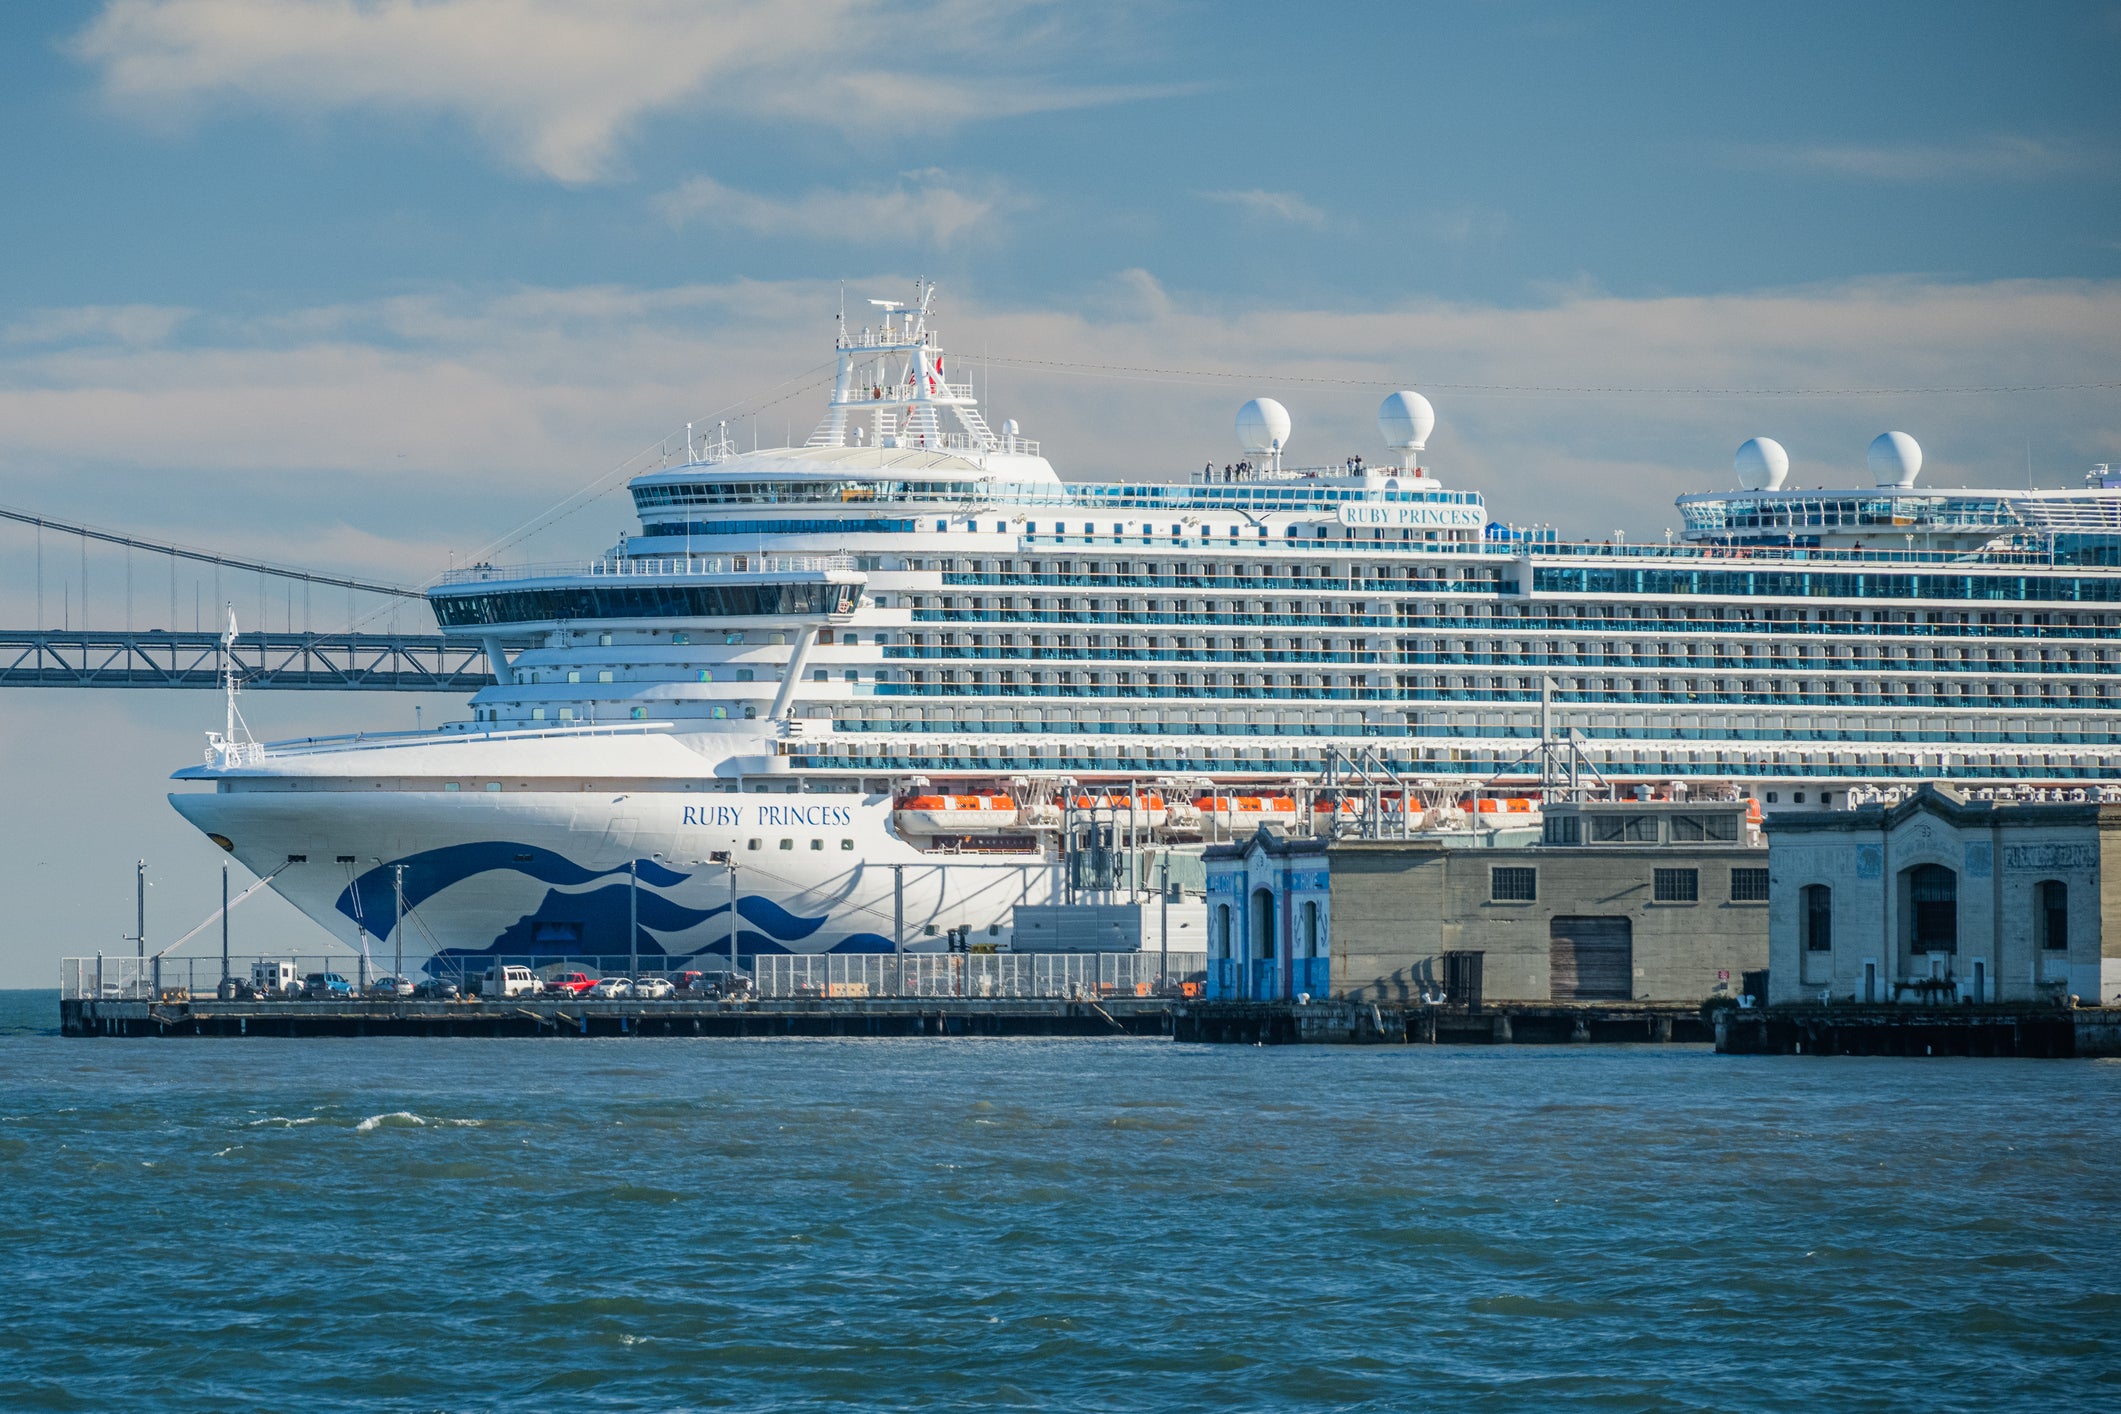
[
  {"x": 592, "y": 923},
  {"x": 367, "y": 900}
]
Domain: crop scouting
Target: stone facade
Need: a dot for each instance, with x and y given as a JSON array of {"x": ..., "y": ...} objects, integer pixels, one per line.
[{"x": 1940, "y": 896}]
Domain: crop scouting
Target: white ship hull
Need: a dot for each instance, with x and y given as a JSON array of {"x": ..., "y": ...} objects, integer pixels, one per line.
[{"x": 554, "y": 875}]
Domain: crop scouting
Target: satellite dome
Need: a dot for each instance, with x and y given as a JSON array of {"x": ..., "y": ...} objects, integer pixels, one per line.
[
  {"x": 1009, "y": 428},
  {"x": 1895, "y": 458},
  {"x": 1405, "y": 419},
  {"x": 1761, "y": 464},
  {"x": 1263, "y": 427}
]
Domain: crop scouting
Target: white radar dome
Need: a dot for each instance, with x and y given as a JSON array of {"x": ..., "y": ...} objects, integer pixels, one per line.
[
  {"x": 1263, "y": 427},
  {"x": 1761, "y": 464},
  {"x": 1009, "y": 428},
  {"x": 1406, "y": 420},
  {"x": 1895, "y": 458}
]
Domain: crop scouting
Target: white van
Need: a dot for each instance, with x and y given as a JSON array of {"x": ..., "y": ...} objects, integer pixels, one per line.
[
  {"x": 510, "y": 982},
  {"x": 275, "y": 977}
]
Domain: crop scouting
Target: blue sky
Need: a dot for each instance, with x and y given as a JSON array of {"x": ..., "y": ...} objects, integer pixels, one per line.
[{"x": 366, "y": 283}]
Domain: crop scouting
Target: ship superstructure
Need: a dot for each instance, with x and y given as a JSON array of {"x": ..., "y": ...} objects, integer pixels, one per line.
[{"x": 907, "y": 658}]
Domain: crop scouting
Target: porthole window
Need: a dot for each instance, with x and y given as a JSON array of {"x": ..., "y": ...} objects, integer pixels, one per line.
[
  {"x": 752, "y": 844},
  {"x": 787, "y": 844},
  {"x": 846, "y": 844}
]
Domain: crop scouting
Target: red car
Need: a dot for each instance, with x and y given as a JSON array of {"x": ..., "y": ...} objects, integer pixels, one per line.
[{"x": 572, "y": 983}]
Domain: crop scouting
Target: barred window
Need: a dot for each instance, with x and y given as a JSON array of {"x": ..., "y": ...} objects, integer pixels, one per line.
[
  {"x": 1513, "y": 885},
  {"x": 1677, "y": 886},
  {"x": 1749, "y": 886}
]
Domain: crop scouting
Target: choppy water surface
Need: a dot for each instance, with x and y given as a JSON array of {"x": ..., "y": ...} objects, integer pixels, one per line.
[{"x": 671, "y": 1224}]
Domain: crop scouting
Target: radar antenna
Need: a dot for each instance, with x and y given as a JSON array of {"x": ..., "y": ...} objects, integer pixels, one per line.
[{"x": 233, "y": 744}]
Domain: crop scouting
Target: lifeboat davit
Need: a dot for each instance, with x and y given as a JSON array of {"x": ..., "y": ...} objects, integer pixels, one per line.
[
  {"x": 955, "y": 814},
  {"x": 1148, "y": 808},
  {"x": 1246, "y": 812}
]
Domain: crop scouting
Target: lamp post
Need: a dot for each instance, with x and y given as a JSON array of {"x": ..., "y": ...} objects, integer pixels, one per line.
[
  {"x": 224, "y": 989},
  {"x": 397, "y": 926},
  {"x": 633, "y": 919}
]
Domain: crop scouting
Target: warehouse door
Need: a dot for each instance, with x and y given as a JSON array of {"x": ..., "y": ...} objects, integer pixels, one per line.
[{"x": 1592, "y": 959}]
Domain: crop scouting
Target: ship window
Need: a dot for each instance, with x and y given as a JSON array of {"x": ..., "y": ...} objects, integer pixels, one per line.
[
  {"x": 537, "y": 714},
  {"x": 820, "y": 675},
  {"x": 604, "y": 675},
  {"x": 721, "y": 714},
  {"x": 706, "y": 675},
  {"x": 451, "y": 785},
  {"x": 752, "y": 844},
  {"x": 853, "y": 675},
  {"x": 787, "y": 844},
  {"x": 743, "y": 675},
  {"x": 574, "y": 675},
  {"x": 639, "y": 713},
  {"x": 846, "y": 844},
  {"x": 493, "y": 785},
  {"x": 567, "y": 714}
]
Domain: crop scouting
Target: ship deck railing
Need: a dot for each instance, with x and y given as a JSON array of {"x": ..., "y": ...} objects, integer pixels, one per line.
[{"x": 656, "y": 567}]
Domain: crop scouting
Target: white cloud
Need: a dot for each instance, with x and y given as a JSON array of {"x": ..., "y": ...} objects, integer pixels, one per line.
[
  {"x": 555, "y": 85},
  {"x": 135, "y": 324},
  {"x": 1275, "y": 205},
  {"x": 925, "y": 206},
  {"x": 1996, "y": 158}
]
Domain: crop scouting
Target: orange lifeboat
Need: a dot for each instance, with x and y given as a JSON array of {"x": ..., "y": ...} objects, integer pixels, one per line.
[
  {"x": 1246, "y": 812},
  {"x": 1148, "y": 809},
  {"x": 955, "y": 814}
]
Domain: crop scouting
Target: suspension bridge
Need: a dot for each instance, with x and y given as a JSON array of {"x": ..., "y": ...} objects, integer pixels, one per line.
[{"x": 100, "y": 617}]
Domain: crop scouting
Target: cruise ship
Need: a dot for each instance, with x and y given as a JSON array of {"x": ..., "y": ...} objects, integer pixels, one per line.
[{"x": 875, "y": 690}]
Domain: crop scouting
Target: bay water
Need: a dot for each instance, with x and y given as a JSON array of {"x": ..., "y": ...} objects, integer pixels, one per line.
[{"x": 665, "y": 1224}]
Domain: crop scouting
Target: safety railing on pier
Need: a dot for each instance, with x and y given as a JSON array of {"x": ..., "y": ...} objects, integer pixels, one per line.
[
  {"x": 1078, "y": 976},
  {"x": 1001, "y": 975}
]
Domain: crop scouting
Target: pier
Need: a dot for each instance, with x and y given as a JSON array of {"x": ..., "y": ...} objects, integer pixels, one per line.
[
  {"x": 1331, "y": 1022},
  {"x": 2047, "y": 1031},
  {"x": 573, "y": 1017}
]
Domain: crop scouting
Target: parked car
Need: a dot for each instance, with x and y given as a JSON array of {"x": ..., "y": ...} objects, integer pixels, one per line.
[
  {"x": 654, "y": 988},
  {"x": 719, "y": 984},
  {"x": 608, "y": 988},
  {"x": 437, "y": 989},
  {"x": 390, "y": 987},
  {"x": 571, "y": 984},
  {"x": 326, "y": 986}
]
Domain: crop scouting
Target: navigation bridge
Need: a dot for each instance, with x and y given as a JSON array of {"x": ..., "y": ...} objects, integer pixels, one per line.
[{"x": 116, "y": 610}]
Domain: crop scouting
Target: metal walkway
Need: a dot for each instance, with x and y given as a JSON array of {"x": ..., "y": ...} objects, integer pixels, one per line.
[{"x": 339, "y": 662}]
